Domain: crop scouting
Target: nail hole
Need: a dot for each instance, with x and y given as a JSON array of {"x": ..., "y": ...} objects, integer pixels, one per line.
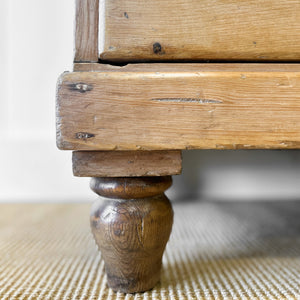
[{"x": 156, "y": 48}]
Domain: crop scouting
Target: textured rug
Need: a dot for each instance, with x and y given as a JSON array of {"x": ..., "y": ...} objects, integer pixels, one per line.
[{"x": 217, "y": 250}]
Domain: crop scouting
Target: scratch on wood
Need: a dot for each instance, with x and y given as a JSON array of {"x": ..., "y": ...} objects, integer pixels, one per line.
[
  {"x": 143, "y": 224},
  {"x": 188, "y": 100},
  {"x": 290, "y": 144},
  {"x": 94, "y": 119}
]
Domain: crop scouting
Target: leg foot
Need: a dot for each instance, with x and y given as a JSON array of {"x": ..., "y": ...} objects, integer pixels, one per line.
[{"x": 132, "y": 229}]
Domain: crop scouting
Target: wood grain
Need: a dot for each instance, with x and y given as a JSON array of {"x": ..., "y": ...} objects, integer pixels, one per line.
[
  {"x": 249, "y": 106},
  {"x": 260, "y": 30},
  {"x": 86, "y": 31},
  {"x": 132, "y": 234},
  {"x": 126, "y": 163}
]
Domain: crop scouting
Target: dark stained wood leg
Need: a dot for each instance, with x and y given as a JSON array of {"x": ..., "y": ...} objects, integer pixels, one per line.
[{"x": 131, "y": 228}]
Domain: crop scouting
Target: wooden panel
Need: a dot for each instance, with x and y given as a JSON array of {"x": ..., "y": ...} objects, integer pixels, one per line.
[
  {"x": 180, "y": 106},
  {"x": 199, "y": 30},
  {"x": 126, "y": 163},
  {"x": 86, "y": 32}
]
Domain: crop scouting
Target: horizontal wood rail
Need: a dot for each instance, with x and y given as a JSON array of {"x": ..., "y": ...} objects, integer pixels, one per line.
[{"x": 179, "y": 106}]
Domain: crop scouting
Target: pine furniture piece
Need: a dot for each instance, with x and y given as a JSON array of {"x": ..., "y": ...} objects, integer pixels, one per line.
[{"x": 152, "y": 78}]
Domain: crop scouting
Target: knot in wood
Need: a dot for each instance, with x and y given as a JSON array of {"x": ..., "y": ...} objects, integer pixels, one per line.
[{"x": 130, "y": 187}]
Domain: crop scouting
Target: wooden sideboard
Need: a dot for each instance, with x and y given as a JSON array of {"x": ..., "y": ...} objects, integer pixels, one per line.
[{"x": 152, "y": 78}]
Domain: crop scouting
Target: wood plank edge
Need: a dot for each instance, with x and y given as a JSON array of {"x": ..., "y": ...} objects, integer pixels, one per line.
[
  {"x": 126, "y": 163},
  {"x": 86, "y": 31}
]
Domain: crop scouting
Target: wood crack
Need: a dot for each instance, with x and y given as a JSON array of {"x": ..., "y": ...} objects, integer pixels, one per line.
[{"x": 188, "y": 100}]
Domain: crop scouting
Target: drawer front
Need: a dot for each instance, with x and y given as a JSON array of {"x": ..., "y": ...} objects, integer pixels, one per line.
[{"x": 254, "y": 30}]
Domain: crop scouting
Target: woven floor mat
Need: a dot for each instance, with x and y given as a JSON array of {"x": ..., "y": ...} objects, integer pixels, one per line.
[{"x": 217, "y": 250}]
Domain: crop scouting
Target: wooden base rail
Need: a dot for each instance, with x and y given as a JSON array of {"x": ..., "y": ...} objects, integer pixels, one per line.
[{"x": 179, "y": 106}]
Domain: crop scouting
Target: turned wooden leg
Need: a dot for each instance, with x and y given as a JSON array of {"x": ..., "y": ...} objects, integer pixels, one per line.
[
  {"x": 132, "y": 223},
  {"x": 131, "y": 228}
]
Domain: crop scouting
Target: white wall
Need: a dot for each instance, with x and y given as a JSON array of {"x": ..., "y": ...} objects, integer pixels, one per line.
[{"x": 36, "y": 46}]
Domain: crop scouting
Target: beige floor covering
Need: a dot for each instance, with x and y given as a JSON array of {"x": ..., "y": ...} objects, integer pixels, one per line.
[{"x": 218, "y": 250}]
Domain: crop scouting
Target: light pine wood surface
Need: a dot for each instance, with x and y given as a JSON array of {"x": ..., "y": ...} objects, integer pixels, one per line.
[
  {"x": 180, "y": 106},
  {"x": 260, "y": 30},
  {"x": 126, "y": 163}
]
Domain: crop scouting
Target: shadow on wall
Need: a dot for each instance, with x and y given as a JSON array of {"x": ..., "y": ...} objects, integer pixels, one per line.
[{"x": 238, "y": 175}]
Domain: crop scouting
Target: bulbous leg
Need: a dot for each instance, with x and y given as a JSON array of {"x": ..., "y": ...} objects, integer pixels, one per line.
[{"x": 131, "y": 229}]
